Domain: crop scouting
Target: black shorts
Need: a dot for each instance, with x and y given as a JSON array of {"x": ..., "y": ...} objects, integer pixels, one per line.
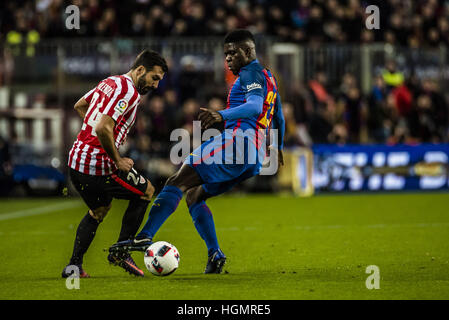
[{"x": 98, "y": 191}]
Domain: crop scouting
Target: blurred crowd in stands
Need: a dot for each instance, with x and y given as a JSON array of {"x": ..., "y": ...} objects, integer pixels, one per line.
[
  {"x": 397, "y": 110},
  {"x": 404, "y": 22}
]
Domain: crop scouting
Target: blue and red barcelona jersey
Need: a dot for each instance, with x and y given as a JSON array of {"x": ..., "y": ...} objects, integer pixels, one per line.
[{"x": 253, "y": 79}]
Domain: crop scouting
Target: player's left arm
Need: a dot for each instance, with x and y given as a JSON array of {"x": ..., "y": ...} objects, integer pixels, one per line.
[
  {"x": 253, "y": 84},
  {"x": 279, "y": 124},
  {"x": 252, "y": 107}
]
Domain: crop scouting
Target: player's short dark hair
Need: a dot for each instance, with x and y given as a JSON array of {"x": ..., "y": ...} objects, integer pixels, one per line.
[
  {"x": 149, "y": 59},
  {"x": 239, "y": 35}
]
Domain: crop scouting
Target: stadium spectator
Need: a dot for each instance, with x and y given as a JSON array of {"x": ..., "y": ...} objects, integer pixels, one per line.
[
  {"x": 352, "y": 101},
  {"x": 422, "y": 123},
  {"x": 321, "y": 124},
  {"x": 391, "y": 75},
  {"x": 6, "y": 66},
  {"x": 378, "y": 123},
  {"x": 140, "y": 151},
  {"x": 291, "y": 137},
  {"x": 404, "y": 99},
  {"x": 217, "y": 25},
  {"x": 190, "y": 79},
  {"x": 302, "y": 102},
  {"x": 22, "y": 39},
  {"x": 159, "y": 126},
  {"x": 317, "y": 87},
  {"x": 187, "y": 115}
]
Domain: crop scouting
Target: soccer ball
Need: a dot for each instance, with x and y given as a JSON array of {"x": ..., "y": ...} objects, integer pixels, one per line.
[{"x": 161, "y": 258}]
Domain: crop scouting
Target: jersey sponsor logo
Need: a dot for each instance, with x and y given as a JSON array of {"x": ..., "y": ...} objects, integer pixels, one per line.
[
  {"x": 121, "y": 106},
  {"x": 253, "y": 86}
]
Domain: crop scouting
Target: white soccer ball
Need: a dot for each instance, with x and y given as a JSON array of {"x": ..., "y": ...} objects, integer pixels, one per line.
[{"x": 161, "y": 258}]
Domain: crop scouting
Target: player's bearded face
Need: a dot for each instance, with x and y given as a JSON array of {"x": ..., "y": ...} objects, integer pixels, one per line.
[{"x": 142, "y": 87}]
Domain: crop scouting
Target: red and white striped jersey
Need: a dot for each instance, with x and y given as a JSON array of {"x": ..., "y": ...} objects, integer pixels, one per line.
[{"x": 118, "y": 98}]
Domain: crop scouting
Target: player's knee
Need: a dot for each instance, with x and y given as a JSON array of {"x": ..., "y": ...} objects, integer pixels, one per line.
[
  {"x": 184, "y": 179},
  {"x": 190, "y": 197},
  {"x": 175, "y": 181},
  {"x": 100, "y": 213},
  {"x": 193, "y": 196},
  {"x": 171, "y": 181}
]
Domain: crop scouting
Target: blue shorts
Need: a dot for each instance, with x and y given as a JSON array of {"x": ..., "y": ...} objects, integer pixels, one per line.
[{"x": 226, "y": 160}]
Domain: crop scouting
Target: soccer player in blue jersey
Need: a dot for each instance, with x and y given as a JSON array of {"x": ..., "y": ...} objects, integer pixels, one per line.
[{"x": 254, "y": 106}]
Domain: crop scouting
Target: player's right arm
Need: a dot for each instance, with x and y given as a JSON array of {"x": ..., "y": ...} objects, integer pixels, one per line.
[{"x": 105, "y": 134}]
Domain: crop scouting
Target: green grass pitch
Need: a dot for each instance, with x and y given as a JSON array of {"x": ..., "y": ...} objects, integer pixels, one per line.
[{"x": 278, "y": 247}]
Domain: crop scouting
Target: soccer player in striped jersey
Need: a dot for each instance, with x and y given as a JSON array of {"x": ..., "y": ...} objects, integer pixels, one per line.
[
  {"x": 97, "y": 170},
  {"x": 253, "y": 105}
]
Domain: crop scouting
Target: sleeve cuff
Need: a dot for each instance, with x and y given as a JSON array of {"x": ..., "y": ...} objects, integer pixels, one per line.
[{"x": 222, "y": 113}]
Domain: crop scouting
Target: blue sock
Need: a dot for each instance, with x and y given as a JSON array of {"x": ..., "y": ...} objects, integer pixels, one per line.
[
  {"x": 165, "y": 204},
  {"x": 204, "y": 224}
]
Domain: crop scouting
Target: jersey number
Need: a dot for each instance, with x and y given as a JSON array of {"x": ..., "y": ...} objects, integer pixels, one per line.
[
  {"x": 266, "y": 119},
  {"x": 93, "y": 114},
  {"x": 133, "y": 177}
]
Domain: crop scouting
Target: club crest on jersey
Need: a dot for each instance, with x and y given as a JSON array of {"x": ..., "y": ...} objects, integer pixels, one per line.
[
  {"x": 253, "y": 86},
  {"x": 121, "y": 106}
]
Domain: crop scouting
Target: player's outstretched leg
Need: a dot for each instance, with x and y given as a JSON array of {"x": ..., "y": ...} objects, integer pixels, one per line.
[
  {"x": 84, "y": 236},
  {"x": 204, "y": 224},
  {"x": 130, "y": 224},
  {"x": 132, "y": 219},
  {"x": 164, "y": 205}
]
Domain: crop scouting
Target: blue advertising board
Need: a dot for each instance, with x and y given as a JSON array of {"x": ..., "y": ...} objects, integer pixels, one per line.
[{"x": 380, "y": 167}]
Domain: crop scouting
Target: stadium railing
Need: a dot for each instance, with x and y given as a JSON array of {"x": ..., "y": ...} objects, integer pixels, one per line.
[{"x": 62, "y": 60}]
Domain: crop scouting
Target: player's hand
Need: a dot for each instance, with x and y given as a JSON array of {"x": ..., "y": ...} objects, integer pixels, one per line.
[
  {"x": 209, "y": 117},
  {"x": 149, "y": 192},
  {"x": 124, "y": 164},
  {"x": 280, "y": 158}
]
